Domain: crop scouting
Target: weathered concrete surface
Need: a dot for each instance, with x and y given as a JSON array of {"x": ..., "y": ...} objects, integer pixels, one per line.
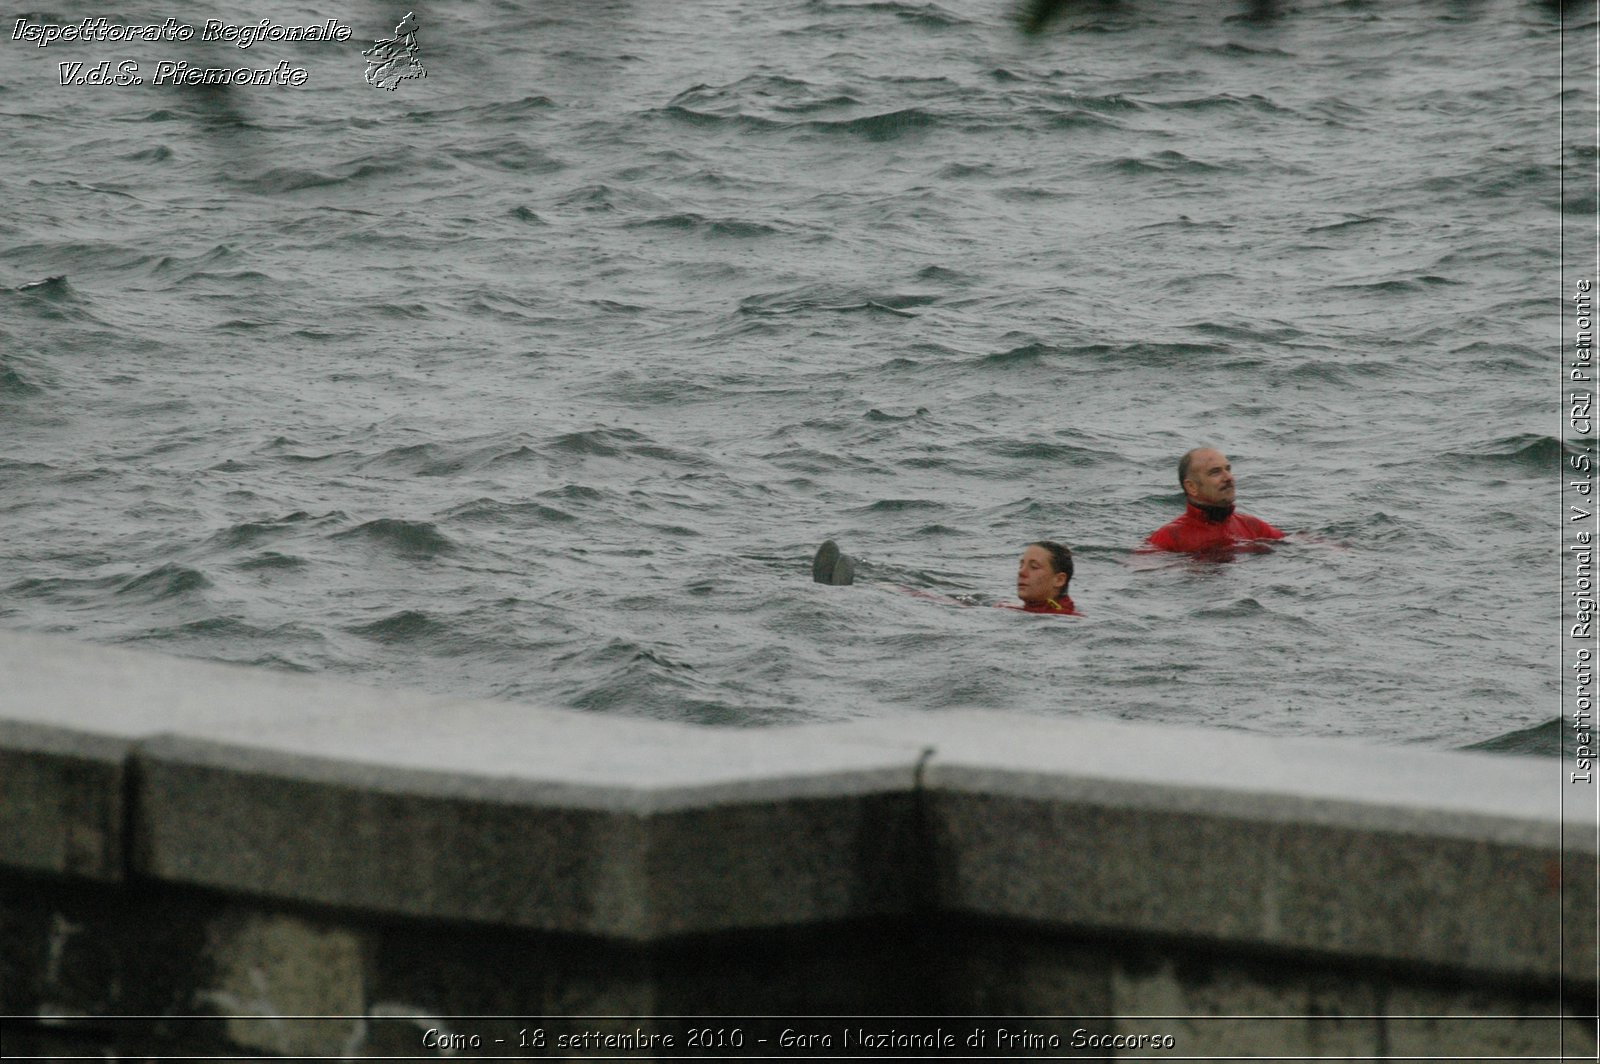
[
  {"x": 61, "y": 799},
  {"x": 1424, "y": 857},
  {"x": 294, "y": 980},
  {"x": 252, "y": 972},
  {"x": 70, "y": 716},
  {"x": 526, "y": 817},
  {"x": 175, "y": 836}
]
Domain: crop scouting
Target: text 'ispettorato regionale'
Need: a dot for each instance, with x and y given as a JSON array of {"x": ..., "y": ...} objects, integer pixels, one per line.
[{"x": 241, "y": 34}]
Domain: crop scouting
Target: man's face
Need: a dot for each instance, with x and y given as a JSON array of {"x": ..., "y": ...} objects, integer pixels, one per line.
[{"x": 1210, "y": 479}]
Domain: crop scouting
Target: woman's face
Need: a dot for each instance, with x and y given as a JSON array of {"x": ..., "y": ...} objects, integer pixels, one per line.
[{"x": 1037, "y": 579}]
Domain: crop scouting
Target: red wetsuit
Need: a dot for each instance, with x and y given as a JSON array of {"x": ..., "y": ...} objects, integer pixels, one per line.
[
  {"x": 1062, "y": 605},
  {"x": 1194, "y": 531}
]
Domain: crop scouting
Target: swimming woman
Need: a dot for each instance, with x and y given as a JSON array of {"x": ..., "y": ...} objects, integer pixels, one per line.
[{"x": 1043, "y": 575}]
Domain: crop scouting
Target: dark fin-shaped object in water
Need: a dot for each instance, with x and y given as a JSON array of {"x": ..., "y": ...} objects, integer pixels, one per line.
[
  {"x": 822, "y": 563},
  {"x": 828, "y": 566}
]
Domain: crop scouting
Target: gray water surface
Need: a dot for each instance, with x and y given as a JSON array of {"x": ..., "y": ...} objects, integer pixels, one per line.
[{"x": 541, "y": 377}]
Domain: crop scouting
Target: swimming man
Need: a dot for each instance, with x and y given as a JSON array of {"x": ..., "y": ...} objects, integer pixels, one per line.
[{"x": 1210, "y": 521}]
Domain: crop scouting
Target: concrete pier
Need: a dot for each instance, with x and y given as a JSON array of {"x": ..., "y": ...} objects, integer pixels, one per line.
[{"x": 196, "y": 858}]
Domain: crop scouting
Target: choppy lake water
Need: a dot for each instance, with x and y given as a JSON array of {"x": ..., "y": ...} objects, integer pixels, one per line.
[{"x": 542, "y": 376}]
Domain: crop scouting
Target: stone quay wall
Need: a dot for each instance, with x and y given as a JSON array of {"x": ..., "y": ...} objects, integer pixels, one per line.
[{"x": 198, "y": 858}]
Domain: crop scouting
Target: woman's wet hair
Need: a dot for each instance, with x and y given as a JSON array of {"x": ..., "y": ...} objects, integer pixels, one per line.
[{"x": 1060, "y": 558}]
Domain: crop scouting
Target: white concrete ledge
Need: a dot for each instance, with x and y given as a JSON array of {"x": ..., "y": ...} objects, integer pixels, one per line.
[
  {"x": 121, "y": 765},
  {"x": 520, "y": 816},
  {"x": 1416, "y": 856}
]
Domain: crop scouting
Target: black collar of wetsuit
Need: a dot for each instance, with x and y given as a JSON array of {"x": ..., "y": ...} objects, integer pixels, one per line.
[{"x": 1215, "y": 514}]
